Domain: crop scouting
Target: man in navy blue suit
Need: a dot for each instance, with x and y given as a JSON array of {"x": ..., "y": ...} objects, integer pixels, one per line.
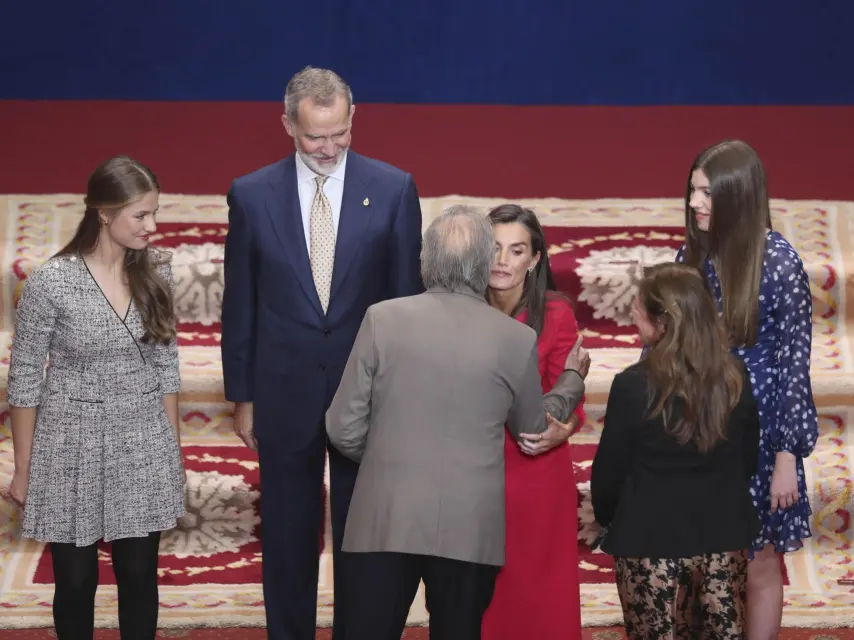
[{"x": 313, "y": 241}]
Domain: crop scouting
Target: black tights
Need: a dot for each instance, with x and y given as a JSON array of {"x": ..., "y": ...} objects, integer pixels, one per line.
[{"x": 75, "y": 571}]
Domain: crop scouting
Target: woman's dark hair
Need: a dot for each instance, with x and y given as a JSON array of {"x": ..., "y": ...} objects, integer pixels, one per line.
[
  {"x": 690, "y": 362},
  {"x": 115, "y": 184},
  {"x": 539, "y": 285},
  {"x": 738, "y": 226}
]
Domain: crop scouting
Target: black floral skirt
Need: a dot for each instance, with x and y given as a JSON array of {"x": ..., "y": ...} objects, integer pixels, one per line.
[{"x": 674, "y": 598}]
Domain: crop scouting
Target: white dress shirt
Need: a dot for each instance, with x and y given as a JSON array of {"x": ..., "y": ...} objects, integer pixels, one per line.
[{"x": 333, "y": 188}]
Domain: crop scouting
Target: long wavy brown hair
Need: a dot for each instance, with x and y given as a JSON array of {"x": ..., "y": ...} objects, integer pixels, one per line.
[
  {"x": 735, "y": 241},
  {"x": 115, "y": 184},
  {"x": 690, "y": 366}
]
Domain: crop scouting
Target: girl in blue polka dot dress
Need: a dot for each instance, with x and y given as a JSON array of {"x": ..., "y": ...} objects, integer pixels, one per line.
[{"x": 763, "y": 295}]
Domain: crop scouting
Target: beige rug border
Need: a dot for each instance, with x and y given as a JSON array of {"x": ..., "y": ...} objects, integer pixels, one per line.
[{"x": 820, "y": 618}]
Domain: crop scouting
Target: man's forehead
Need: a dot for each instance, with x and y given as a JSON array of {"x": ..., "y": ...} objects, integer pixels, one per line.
[{"x": 336, "y": 106}]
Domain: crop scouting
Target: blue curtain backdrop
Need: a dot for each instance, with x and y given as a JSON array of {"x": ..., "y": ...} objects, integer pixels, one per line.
[{"x": 663, "y": 52}]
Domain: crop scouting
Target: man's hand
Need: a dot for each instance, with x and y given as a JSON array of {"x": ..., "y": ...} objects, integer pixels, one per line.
[
  {"x": 578, "y": 359},
  {"x": 243, "y": 426},
  {"x": 556, "y": 433}
]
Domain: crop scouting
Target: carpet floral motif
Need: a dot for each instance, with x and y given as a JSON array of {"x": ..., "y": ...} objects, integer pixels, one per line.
[
  {"x": 221, "y": 516},
  {"x": 609, "y": 279},
  {"x": 198, "y": 273},
  {"x": 210, "y": 563}
]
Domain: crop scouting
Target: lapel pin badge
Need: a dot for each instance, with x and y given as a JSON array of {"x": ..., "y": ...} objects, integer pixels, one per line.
[{"x": 366, "y": 202}]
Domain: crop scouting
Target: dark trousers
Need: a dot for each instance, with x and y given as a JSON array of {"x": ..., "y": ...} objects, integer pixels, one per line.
[
  {"x": 291, "y": 520},
  {"x": 75, "y": 571},
  {"x": 383, "y": 586}
]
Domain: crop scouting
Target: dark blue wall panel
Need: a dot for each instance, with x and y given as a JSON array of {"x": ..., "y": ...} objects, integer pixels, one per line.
[{"x": 623, "y": 52}]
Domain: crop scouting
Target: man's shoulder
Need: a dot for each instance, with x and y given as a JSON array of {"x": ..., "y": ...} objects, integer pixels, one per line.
[
  {"x": 396, "y": 306},
  {"x": 377, "y": 168},
  {"x": 510, "y": 329},
  {"x": 518, "y": 335},
  {"x": 407, "y": 311},
  {"x": 514, "y": 336},
  {"x": 261, "y": 176}
]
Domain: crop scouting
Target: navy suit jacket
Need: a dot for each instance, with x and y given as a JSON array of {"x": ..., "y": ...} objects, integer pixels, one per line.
[{"x": 279, "y": 350}]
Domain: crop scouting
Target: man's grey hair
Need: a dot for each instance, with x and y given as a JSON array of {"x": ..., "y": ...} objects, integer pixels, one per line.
[
  {"x": 321, "y": 86},
  {"x": 457, "y": 251}
]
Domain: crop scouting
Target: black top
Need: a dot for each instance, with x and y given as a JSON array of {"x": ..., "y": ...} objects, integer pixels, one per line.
[{"x": 666, "y": 500}]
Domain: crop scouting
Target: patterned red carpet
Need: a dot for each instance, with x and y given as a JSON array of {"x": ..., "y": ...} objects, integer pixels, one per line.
[{"x": 210, "y": 564}]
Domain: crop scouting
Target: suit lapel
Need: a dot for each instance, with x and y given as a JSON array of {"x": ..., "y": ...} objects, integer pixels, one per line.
[
  {"x": 283, "y": 206},
  {"x": 356, "y": 211}
]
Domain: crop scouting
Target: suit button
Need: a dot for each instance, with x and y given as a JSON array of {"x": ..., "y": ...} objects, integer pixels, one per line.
[
  {"x": 327, "y": 333},
  {"x": 321, "y": 367}
]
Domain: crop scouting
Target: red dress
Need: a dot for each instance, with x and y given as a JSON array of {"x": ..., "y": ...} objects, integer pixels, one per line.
[{"x": 537, "y": 591}]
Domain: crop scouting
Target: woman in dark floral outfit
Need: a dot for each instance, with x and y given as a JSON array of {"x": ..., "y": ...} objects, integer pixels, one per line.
[{"x": 670, "y": 476}]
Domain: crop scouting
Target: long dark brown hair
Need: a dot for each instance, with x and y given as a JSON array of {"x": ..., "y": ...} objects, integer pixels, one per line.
[
  {"x": 735, "y": 241},
  {"x": 691, "y": 362},
  {"x": 539, "y": 286},
  {"x": 114, "y": 185}
]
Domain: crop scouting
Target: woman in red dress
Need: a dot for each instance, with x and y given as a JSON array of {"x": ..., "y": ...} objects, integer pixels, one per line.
[{"x": 537, "y": 591}]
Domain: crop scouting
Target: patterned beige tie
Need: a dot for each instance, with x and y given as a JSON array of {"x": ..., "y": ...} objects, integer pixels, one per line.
[{"x": 322, "y": 235}]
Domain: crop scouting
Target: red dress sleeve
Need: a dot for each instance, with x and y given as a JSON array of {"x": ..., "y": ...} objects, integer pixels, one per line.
[{"x": 560, "y": 331}]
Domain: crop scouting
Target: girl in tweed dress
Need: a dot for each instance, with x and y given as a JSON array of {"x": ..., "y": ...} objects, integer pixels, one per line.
[{"x": 97, "y": 451}]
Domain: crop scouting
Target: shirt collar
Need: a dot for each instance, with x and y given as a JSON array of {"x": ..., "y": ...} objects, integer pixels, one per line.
[{"x": 304, "y": 174}]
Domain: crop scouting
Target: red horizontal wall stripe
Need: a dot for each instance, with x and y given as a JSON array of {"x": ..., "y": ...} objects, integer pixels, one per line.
[{"x": 569, "y": 152}]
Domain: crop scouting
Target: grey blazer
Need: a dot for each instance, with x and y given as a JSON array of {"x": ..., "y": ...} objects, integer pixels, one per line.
[{"x": 430, "y": 384}]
